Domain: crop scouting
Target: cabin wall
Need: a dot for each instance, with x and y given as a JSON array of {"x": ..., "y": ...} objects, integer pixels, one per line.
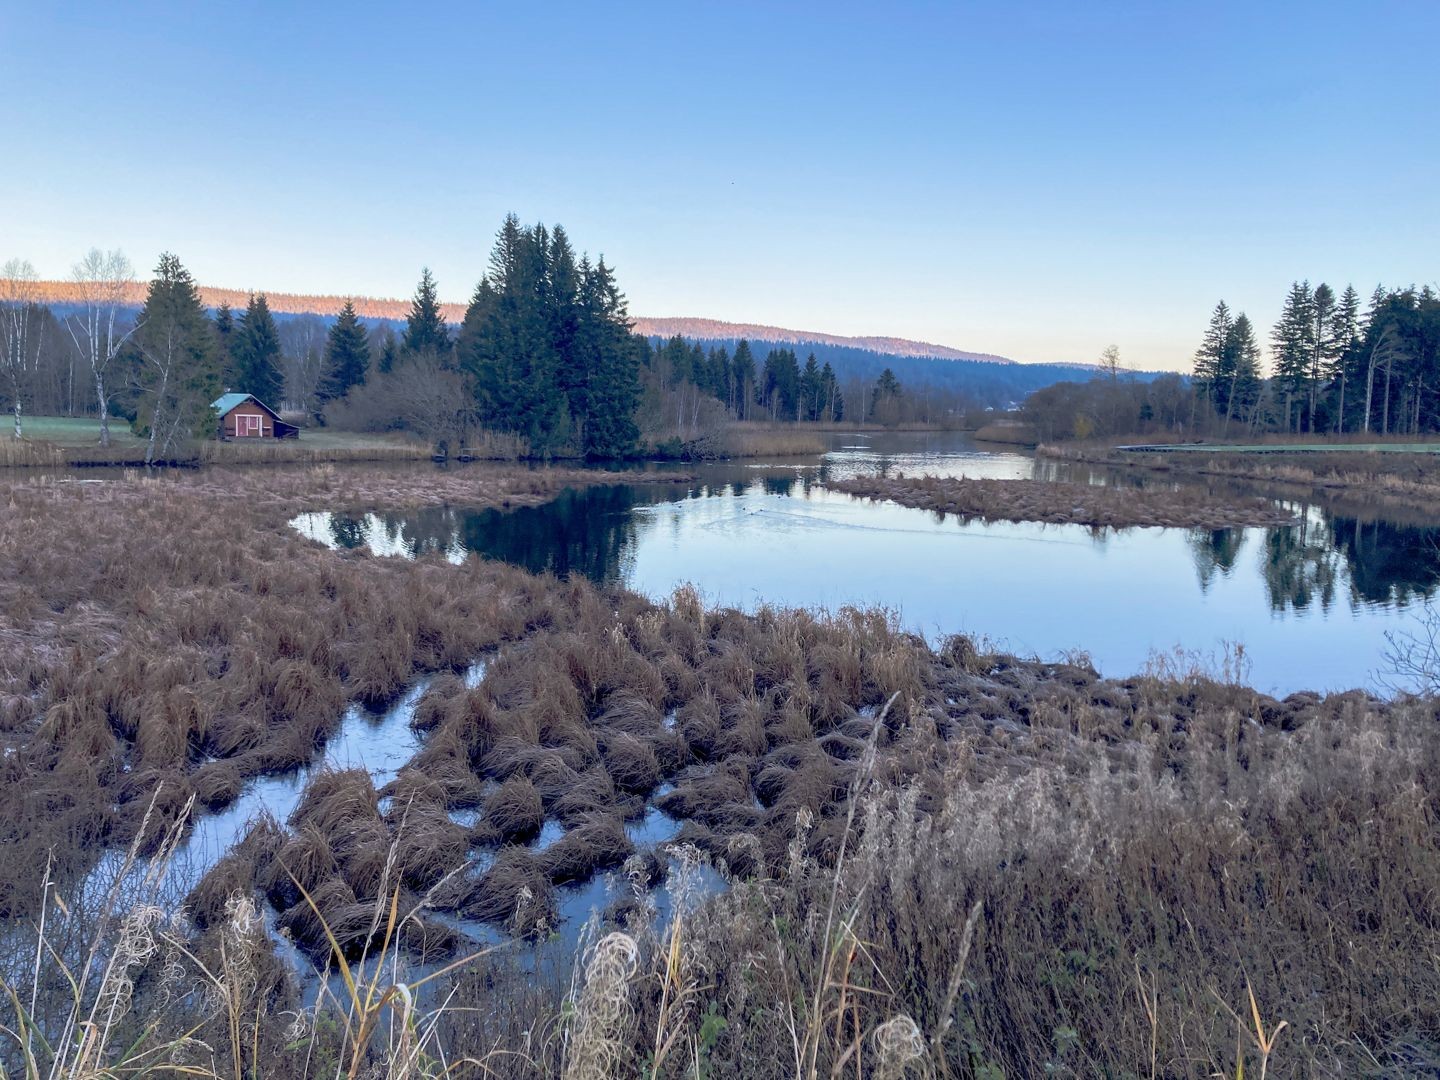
[{"x": 238, "y": 425}]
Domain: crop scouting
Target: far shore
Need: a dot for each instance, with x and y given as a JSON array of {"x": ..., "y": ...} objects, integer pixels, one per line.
[{"x": 1397, "y": 469}]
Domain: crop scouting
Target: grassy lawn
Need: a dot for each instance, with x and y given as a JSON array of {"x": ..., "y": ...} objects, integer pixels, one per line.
[
  {"x": 58, "y": 440},
  {"x": 73, "y": 430}
]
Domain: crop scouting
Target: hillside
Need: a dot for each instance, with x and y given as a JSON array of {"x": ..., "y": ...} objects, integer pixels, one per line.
[
  {"x": 984, "y": 378},
  {"x": 60, "y": 293}
]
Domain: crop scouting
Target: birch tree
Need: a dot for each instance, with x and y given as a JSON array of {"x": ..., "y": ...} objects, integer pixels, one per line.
[
  {"x": 19, "y": 292},
  {"x": 104, "y": 280}
]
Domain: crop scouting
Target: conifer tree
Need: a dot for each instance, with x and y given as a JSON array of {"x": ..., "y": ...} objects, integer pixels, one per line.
[
  {"x": 176, "y": 376},
  {"x": 811, "y": 390},
  {"x": 1344, "y": 339},
  {"x": 1322, "y": 344},
  {"x": 225, "y": 343},
  {"x": 1211, "y": 358},
  {"x": 1241, "y": 370},
  {"x": 389, "y": 353},
  {"x": 743, "y": 365},
  {"x": 1292, "y": 346},
  {"x": 257, "y": 354},
  {"x": 347, "y": 357},
  {"x": 425, "y": 330},
  {"x": 549, "y": 346}
]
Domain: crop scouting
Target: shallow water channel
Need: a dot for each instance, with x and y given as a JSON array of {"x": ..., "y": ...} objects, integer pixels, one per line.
[{"x": 1310, "y": 603}]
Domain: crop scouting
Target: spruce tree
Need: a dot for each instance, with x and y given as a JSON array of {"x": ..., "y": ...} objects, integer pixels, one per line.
[
  {"x": 1292, "y": 347},
  {"x": 257, "y": 354},
  {"x": 1241, "y": 386},
  {"x": 347, "y": 357},
  {"x": 174, "y": 357},
  {"x": 225, "y": 343},
  {"x": 1344, "y": 339},
  {"x": 1211, "y": 358},
  {"x": 811, "y": 390},
  {"x": 389, "y": 354},
  {"x": 743, "y": 366},
  {"x": 425, "y": 330},
  {"x": 1322, "y": 344}
]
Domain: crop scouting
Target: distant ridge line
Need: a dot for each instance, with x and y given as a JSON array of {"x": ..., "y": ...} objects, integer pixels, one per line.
[{"x": 370, "y": 307}]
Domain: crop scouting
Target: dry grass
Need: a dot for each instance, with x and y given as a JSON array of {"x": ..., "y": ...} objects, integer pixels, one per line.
[
  {"x": 751, "y": 439},
  {"x": 1398, "y": 478},
  {"x": 1069, "y": 504},
  {"x": 939, "y": 862}
]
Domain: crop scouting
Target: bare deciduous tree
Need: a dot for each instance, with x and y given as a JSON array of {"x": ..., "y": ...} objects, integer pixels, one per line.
[
  {"x": 18, "y": 295},
  {"x": 104, "y": 279}
]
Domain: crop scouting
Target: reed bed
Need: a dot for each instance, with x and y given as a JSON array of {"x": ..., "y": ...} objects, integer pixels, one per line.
[
  {"x": 937, "y": 862},
  {"x": 1069, "y": 504}
]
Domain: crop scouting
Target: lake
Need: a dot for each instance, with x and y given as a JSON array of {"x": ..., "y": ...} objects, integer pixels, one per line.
[{"x": 1310, "y": 604}]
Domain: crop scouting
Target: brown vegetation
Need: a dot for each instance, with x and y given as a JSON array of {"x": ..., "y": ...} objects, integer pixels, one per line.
[
  {"x": 1397, "y": 477},
  {"x": 1069, "y": 504},
  {"x": 943, "y": 861}
]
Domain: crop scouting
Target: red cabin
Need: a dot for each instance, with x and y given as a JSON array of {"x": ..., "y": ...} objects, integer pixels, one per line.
[{"x": 244, "y": 416}]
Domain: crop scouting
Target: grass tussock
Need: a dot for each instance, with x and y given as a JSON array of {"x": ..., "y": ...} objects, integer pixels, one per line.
[
  {"x": 1070, "y": 504},
  {"x": 935, "y": 862}
]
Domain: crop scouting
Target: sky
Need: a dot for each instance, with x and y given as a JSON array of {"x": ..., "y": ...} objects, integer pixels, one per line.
[{"x": 1037, "y": 180}]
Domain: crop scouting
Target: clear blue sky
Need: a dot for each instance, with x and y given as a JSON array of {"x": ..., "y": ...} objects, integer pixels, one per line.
[{"x": 1037, "y": 180}]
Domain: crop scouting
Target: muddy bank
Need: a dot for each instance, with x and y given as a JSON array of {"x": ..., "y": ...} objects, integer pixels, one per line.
[{"x": 1069, "y": 504}]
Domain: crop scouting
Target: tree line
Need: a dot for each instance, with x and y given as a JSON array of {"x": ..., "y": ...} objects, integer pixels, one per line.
[
  {"x": 1337, "y": 367},
  {"x": 545, "y": 352}
]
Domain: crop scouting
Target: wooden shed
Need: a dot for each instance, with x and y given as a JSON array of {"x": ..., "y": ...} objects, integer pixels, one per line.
[{"x": 244, "y": 416}]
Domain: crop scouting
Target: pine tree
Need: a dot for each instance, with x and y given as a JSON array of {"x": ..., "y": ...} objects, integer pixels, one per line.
[
  {"x": 425, "y": 330},
  {"x": 347, "y": 357},
  {"x": 549, "y": 345},
  {"x": 1292, "y": 347},
  {"x": 176, "y": 375},
  {"x": 887, "y": 395},
  {"x": 811, "y": 390},
  {"x": 743, "y": 366},
  {"x": 613, "y": 362},
  {"x": 1344, "y": 339},
  {"x": 389, "y": 353},
  {"x": 1322, "y": 358},
  {"x": 225, "y": 343},
  {"x": 1210, "y": 358},
  {"x": 257, "y": 354},
  {"x": 1242, "y": 369}
]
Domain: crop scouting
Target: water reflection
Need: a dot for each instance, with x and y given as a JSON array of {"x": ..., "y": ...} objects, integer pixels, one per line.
[{"x": 1311, "y": 601}]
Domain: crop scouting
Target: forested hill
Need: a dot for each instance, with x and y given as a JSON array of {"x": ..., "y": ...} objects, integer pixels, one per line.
[{"x": 984, "y": 377}]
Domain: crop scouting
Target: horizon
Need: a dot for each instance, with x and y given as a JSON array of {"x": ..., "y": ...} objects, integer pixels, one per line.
[{"x": 844, "y": 173}]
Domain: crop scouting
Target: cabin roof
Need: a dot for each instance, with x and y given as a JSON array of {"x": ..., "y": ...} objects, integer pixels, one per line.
[{"x": 225, "y": 403}]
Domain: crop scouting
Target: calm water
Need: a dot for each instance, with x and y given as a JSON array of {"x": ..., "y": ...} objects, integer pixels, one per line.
[{"x": 1310, "y": 603}]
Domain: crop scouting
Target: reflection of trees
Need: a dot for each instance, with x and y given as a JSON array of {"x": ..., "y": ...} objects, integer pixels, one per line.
[
  {"x": 1215, "y": 552},
  {"x": 1389, "y": 562},
  {"x": 779, "y": 485},
  {"x": 1386, "y": 562},
  {"x": 585, "y": 532},
  {"x": 1301, "y": 566},
  {"x": 347, "y": 531}
]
